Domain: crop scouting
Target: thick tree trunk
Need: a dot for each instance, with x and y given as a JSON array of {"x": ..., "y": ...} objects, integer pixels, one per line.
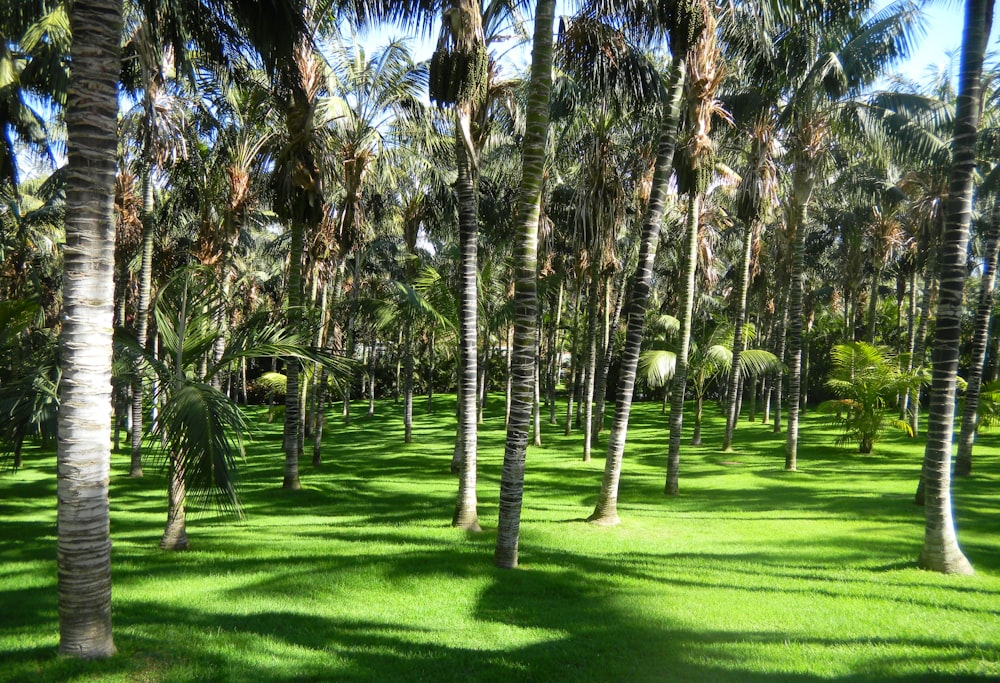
[
  {"x": 525, "y": 288},
  {"x": 963, "y": 463},
  {"x": 83, "y": 545},
  {"x": 941, "y": 552}
]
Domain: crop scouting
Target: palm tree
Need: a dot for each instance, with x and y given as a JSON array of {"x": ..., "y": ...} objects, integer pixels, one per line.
[
  {"x": 989, "y": 230},
  {"x": 756, "y": 195},
  {"x": 370, "y": 101},
  {"x": 606, "y": 510},
  {"x": 703, "y": 63},
  {"x": 524, "y": 360},
  {"x": 845, "y": 49},
  {"x": 713, "y": 358},
  {"x": 84, "y": 446},
  {"x": 201, "y": 427},
  {"x": 866, "y": 378},
  {"x": 158, "y": 125},
  {"x": 940, "y": 551}
]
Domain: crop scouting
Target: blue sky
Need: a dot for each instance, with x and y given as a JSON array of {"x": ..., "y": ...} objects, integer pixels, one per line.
[{"x": 943, "y": 35}]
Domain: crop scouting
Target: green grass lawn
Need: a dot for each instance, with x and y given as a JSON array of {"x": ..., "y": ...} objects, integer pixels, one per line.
[{"x": 751, "y": 574}]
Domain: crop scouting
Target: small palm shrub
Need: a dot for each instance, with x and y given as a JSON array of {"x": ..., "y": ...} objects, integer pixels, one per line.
[{"x": 866, "y": 379}]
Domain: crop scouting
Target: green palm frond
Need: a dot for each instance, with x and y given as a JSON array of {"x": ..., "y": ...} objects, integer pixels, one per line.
[
  {"x": 657, "y": 367},
  {"x": 866, "y": 378},
  {"x": 203, "y": 431}
]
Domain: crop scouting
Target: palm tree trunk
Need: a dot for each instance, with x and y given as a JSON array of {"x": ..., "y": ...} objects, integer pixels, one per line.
[
  {"x": 588, "y": 392},
  {"x": 606, "y": 510},
  {"x": 604, "y": 362},
  {"x": 873, "y": 303},
  {"x": 555, "y": 354},
  {"x": 739, "y": 321},
  {"x": 687, "y": 318},
  {"x": 920, "y": 340},
  {"x": 294, "y": 316},
  {"x": 941, "y": 552},
  {"x": 803, "y": 180},
  {"x": 407, "y": 381},
  {"x": 466, "y": 515},
  {"x": 83, "y": 450},
  {"x": 430, "y": 374},
  {"x": 142, "y": 319},
  {"x": 175, "y": 534},
  {"x": 963, "y": 463},
  {"x": 525, "y": 288}
]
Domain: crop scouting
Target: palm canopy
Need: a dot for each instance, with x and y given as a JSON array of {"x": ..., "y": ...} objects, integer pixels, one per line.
[{"x": 33, "y": 76}]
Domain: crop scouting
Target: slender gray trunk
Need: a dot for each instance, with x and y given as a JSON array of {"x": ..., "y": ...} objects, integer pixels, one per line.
[{"x": 963, "y": 462}]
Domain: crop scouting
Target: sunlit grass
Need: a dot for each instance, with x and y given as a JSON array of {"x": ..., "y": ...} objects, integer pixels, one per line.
[{"x": 751, "y": 574}]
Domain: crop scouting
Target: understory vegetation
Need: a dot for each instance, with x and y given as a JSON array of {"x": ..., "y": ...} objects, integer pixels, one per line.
[{"x": 752, "y": 573}]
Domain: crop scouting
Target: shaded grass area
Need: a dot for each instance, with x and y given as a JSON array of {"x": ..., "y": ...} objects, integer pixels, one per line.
[{"x": 751, "y": 574}]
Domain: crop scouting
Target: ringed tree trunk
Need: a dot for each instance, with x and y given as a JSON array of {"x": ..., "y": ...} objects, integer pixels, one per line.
[
  {"x": 804, "y": 179},
  {"x": 292, "y": 365},
  {"x": 755, "y": 194},
  {"x": 679, "y": 384},
  {"x": 142, "y": 319},
  {"x": 940, "y": 551},
  {"x": 966, "y": 438},
  {"x": 526, "y": 289},
  {"x": 604, "y": 362},
  {"x": 588, "y": 391},
  {"x": 83, "y": 452},
  {"x": 920, "y": 340},
  {"x": 466, "y": 515},
  {"x": 739, "y": 322}
]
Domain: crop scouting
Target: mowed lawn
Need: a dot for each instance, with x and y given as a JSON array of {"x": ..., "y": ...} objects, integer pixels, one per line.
[{"x": 751, "y": 574}]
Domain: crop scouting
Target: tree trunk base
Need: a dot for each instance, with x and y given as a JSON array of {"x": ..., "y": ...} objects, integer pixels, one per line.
[
  {"x": 291, "y": 483},
  {"x": 505, "y": 562},
  {"x": 604, "y": 519},
  {"x": 466, "y": 524},
  {"x": 946, "y": 562},
  {"x": 174, "y": 539}
]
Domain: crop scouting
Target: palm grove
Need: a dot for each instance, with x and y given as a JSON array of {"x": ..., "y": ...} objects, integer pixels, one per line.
[{"x": 678, "y": 200}]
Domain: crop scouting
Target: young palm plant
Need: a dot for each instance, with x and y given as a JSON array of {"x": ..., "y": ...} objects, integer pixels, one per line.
[
  {"x": 707, "y": 361},
  {"x": 201, "y": 428},
  {"x": 866, "y": 380}
]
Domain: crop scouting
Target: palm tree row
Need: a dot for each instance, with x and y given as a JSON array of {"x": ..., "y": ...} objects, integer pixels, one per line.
[{"x": 469, "y": 244}]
